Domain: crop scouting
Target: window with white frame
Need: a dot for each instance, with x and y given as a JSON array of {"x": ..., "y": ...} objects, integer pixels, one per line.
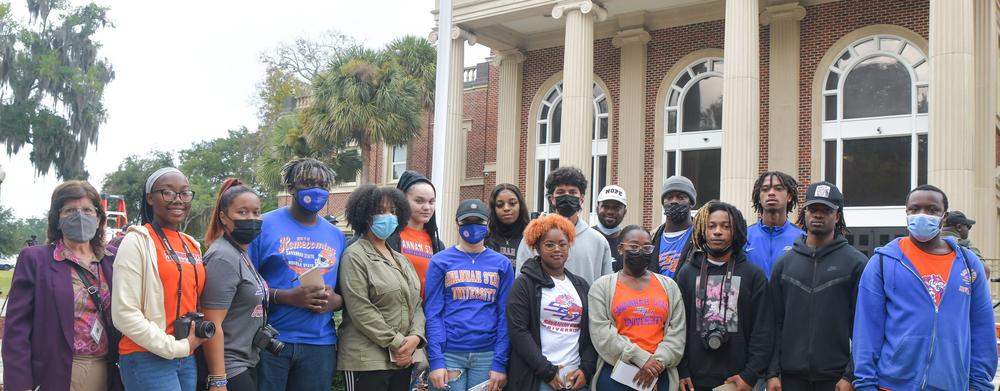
[
  {"x": 549, "y": 133},
  {"x": 692, "y": 145},
  {"x": 397, "y": 162},
  {"x": 875, "y": 125}
]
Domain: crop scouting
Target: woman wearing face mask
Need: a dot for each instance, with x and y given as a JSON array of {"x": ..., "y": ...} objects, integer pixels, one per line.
[
  {"x": 637, "y": 317},
  {"x": 383, "y": 323},
  {"x": 57, "y": 335},
  {"x": 467, "y": 288},
  {"x": 508, "y": 217},
  {"x": 158, "y": 280},
  {"x": 235, "y": 294}
]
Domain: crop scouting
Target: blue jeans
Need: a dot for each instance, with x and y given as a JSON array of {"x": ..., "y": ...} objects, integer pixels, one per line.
[
  {"x": 149, "y": 372},
  {"x": 606, "y": 383},
  {"x": 474, "y": 367},
  {"x": 299, "y": 367}
]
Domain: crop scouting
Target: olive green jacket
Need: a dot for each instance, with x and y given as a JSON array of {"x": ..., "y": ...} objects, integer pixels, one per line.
[
  {"x": 964, "y": 243},
  {"x": 381, "y": 307}
]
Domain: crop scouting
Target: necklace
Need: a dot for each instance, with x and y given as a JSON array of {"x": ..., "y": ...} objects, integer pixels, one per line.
[{"x": 472, "y": 258}]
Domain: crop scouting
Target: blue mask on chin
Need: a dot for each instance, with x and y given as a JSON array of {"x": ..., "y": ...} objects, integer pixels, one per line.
[
  {"x": 473, "y": 233},
  {"x": 384, "y": 225},
  {"x": 312, "y": 199}
]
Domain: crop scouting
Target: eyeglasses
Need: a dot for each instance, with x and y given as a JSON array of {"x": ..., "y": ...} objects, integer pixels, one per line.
[
  {"x": 85, "y": 210},
  {"x": 552, "y": 245},
  {"x": 170, "y": 195},
  {"x": 647, "y": 249}
]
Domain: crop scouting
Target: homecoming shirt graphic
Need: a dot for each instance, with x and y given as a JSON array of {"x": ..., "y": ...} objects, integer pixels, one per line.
[
  {"x": 564, "y": 314},
  {"x": 302, "y": 254}
]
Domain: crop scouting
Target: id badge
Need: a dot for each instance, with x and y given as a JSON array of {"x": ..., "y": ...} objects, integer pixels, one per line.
[{"x": 97, "y": 332}]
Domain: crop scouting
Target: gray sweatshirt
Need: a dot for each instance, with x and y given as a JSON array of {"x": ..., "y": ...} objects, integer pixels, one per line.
[{"x": 589, "y": 257}]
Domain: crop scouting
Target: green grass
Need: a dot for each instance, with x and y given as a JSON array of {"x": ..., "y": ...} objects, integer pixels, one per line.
[{"x": 5, "y": 277}]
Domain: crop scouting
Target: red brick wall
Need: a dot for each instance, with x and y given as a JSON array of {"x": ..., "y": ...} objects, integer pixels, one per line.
[
  {"x": 419, "y": 150},
  {"x": 765, "y": 103},
  {"x": 476, "y": 102}
]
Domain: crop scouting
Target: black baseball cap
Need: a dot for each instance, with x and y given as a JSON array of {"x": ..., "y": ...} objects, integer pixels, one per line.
[
  {"x": 472, "y": 208},
  {"x": 824, "y": 193},
  {"x": 958, "y": 218}
]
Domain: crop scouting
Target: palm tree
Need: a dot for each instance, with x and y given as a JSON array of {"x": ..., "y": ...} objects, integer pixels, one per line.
[
  {"x": 365, "y": 99},
  {"x": 286, "y": 141},
  {"x": 416, "y": 57}
]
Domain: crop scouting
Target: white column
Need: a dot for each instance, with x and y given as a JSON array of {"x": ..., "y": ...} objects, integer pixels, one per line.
[
  {"x": 447, "y": 198},
  {"x": 985, "y": 213},
  {"x": 952, "y": 102},
  {"x": 508, "y": 114},
  {"x": 741, "y": 104},
  {"x": 578, "y": 78},
  {"x": 632, "y": 117},
  {"x": 783, "y": 91}
]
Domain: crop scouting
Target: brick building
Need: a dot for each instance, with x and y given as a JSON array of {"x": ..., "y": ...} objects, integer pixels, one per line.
[{"x": 631, "y": 91}]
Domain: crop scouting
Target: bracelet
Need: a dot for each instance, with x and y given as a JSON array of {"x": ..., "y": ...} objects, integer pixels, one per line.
[{"x": 216, "y": 382}]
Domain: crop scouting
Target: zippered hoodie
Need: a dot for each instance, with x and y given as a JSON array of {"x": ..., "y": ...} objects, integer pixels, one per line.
[
  {"x": 766, "y": 244},
  {"x": 902, "y": 342},
  {"x": 528, "y": 367},
  {"x": 814, "y": 292},
  {"x": 748, "y": 351},
  {"x": 466, "y": 299}
]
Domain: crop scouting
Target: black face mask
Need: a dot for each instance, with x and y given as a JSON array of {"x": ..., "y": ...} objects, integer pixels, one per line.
[
  {"x": 245, "y": 231},
  {"x": 677, "y": 213},
  {"x": 567, "y": 205},
  {"x": 716, "y": 253},
  {"x": 636, "y": 261}
]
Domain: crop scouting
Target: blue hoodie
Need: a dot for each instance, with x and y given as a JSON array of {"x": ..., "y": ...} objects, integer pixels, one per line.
[
  {"x": 902, "y": 342},
  {"x": 766, "y": 244},
  {"x": 465, "y": 301}
]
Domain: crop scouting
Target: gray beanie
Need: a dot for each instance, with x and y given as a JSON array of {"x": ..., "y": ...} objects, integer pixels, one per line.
[{"x": 681, "y": 184}]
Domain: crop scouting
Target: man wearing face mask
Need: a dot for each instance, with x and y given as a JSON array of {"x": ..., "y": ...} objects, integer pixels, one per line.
[
  {"x": 611, "y": 209},
  {"x": 590, "y": 256},
  {"x": 671, "y": 239},
  {"x": 466, "y": 298},
  {"x": 924, "y": 318},
  {"x": 294, "y": 240}
]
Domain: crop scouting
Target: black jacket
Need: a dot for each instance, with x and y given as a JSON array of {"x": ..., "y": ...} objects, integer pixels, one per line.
[
  {"x": 528, "y": 367},
  {"x": 748, "y": 350},
  {"x": 814, "y": 292},
  {"x": 505, "y": 243}
]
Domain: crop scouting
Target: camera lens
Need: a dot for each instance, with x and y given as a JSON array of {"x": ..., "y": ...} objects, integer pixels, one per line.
[
  {"x": 275, "y": 347},
  {"x": 204, "y": 329}
]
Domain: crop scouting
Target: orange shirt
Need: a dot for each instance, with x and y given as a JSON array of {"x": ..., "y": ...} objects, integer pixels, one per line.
[
  {"x": 933, "y": 269},
  {"x": 416, "y": 245},
  {"x": 641, "y": 315},
  {"x": 170, "y": 279}
]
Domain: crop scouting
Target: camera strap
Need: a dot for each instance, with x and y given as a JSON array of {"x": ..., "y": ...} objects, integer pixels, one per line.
[
  {"x": 727, "y": 283},
  {"x": 177, "y": 261},
  {"x": 93, "y": 291},
  {"x": 261, "y": 284}
]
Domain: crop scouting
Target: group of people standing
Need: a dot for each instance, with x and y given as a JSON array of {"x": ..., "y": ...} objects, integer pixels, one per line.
[{"x": 520, "y": 304}]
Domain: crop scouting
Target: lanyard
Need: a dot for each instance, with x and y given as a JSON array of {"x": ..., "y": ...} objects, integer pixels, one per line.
[{"x": 177, "y": 261}]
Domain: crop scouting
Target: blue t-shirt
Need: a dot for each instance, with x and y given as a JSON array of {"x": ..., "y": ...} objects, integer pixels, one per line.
[
  {"x": 285, "y": 249},
  {"x": 766, "y": 244},
  {"x": 670, "y": 252}
]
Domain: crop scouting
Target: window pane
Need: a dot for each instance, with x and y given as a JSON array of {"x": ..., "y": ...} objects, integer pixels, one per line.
[
  {"x": 540, "y": 187},
  {"x": 865, "y": 47},
  {"x": 602, "y": 106},
  {"x": 876, "y": 87},
  {"x": 890, "y": 44},
  {"x": 543, "y": 133},
  {"x": 876, "y": 171},
  {"x": 704, "y": 168},
  {"x": 674, "y": 95},
  {"x": 552, "y": 95},
  {"x": 921, "y": 159},
  {"x": 597, "y": 91},
  {"x": 830, "y": 161},
  {"x": 683, "y": 80},
  {"x": 599, "y": 163},
  {"x": 832, "y": 80},
  {"x": 921, "y": 71},
  {"x": 397, "y": 170},
  {"x": 843, "y": 60},
  {"x": 399, "y": 154},
  {"x": 544, "y": 115},
  {"x": 671, "y": 121},
  {"x": 556, "y": 123},
  {"x": 603, "y": 133},
  {"x": 700, "y": 68},
  {"x": 671, "y": 164},
  {"x": 922, "y": 99},
  {"x": 912, "y": 54},
  {"x": 718, "y": 66},
  {"x": 703, "y": 105},
  {"x": 553, "y": 164},
  {"x": 831, "y": 107}
]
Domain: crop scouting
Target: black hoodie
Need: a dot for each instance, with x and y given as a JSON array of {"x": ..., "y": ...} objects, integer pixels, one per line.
[
  {"x": 748, "y": 350},
  {"x": 814, "y": 291},
  {"x": 528, "y": 367},
  {"x": 407, "y": 180}
]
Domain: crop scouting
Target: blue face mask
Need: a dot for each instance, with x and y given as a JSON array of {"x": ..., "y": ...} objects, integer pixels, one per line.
[
  {"x": 384, "y": 225},
  {"x": 472, "y": 233},
  {"x": 923, "y": 227},
  {"x": 312, "y": 199}
]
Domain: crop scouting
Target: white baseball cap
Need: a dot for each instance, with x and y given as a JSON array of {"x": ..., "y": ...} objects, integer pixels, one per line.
[{"x": 613, "y": 193}]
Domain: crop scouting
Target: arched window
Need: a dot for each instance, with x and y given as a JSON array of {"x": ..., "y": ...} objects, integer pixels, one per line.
[
  {"x": 549, "y": 133},
  {"x": 693, "y": 143},
  {"x": 875, "y": 123}
]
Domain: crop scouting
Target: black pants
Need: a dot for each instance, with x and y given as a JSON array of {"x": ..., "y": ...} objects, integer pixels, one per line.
[
  {"x": 245, "y": 381},
  {"x": 388, "y": 380},
  {"x": 790, "y": 383}
]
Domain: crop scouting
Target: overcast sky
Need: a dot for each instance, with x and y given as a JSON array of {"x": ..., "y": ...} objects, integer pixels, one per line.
[{"x": 186, "y": 71}]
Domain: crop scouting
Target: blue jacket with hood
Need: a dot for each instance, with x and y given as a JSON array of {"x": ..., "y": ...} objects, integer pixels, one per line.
[
  {"x": 766, "y": 244},
  {"x": 903, "y": 341}
]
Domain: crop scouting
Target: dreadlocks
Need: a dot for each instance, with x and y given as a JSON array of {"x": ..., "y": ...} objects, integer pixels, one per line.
[
  {"x": 699, "y": 232},
  {"x": 299, "y": 170},
  {"x": 839, "y": 230},
  {"x": 786, "y": 181}
]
